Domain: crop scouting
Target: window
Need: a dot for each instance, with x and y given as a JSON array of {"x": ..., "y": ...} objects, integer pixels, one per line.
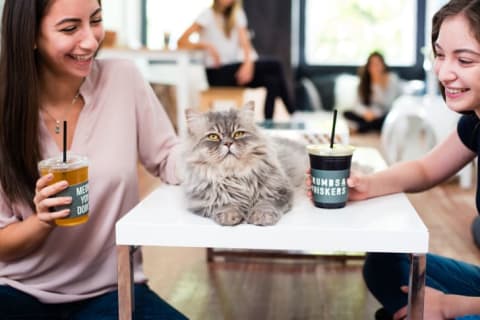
[
  {"x": 344, "y": 32},
  {"x": 170, "y": 17}
]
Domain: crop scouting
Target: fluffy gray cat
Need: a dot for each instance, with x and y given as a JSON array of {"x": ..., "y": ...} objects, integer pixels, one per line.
[{"x": 234, "y": 173}]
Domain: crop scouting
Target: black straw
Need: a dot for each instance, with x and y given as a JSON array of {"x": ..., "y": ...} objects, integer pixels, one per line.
[
  {"x": 64, "y": 141},
  {"x": 332, "y": 137}
]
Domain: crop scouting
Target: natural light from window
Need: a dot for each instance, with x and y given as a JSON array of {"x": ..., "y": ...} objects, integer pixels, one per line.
[
  {"x": 173, "y": 17},
  {"x": 344, "y": 32}
]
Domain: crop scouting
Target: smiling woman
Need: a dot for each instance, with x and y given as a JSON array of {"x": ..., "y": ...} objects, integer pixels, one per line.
[
  {"x": 451, "y": 291},
  {"x": 50, "y": 74}
]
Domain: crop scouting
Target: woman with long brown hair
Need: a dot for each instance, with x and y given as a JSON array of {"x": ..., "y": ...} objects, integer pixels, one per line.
[
  {"x": 377, "y": 90},
  {"x": 49, "y": 74},
  {"x": 452, "y": 286}
]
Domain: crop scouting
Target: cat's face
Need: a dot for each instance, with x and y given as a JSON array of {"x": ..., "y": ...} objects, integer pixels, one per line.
[{"x": 225, "y": 139}]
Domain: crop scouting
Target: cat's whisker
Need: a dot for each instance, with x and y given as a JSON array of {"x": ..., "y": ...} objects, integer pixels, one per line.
[{"x": 238, "y": 174}]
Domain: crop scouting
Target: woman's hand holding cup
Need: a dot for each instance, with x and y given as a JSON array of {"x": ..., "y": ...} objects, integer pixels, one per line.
[
  {"x": 44, "y": 199},
  {"x": 358, "y": 185}
]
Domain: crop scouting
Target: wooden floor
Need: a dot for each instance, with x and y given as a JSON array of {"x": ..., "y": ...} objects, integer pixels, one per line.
[{"x": 266, "y": 289}]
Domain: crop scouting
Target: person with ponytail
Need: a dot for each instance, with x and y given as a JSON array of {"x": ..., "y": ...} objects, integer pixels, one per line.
[{"x": 230, "y": 58}]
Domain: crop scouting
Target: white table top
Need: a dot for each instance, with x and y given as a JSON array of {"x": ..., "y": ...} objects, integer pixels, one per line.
[
  {"x": 150, "y": 54},
  {"x": 384, "y": 224}
]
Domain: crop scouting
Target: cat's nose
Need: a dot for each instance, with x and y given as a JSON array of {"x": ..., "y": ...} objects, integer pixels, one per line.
[{"x": 228, "y": 143}]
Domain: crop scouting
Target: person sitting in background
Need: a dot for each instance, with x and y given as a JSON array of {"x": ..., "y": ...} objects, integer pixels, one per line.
[
  {"x": 230, "y": 57},
  {"x": 452, "y": 288},
  {"x": 377, "y": 90}
]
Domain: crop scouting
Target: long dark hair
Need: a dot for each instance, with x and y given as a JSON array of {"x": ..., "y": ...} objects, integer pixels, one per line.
[
  {"x": 365, "y": 85},
  {"x": 469, "y": 8},
  {"x": 19, "y": 98},
  {"x": 19, "y": 145}
]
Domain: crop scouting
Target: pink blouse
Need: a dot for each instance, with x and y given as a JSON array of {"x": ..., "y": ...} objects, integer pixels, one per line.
[{"x": 121, "y": 123}]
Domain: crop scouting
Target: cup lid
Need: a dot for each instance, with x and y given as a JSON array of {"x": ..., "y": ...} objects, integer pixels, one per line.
[
  {"x": 325, "y": 150},
  {"x": 56, "y": 163}
]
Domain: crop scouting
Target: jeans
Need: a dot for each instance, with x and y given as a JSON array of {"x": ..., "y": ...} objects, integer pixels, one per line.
[
  {"x": 18, "y": 305},
  {"x": 385, "y": 273},
  {"x": 364, "y": 125}
]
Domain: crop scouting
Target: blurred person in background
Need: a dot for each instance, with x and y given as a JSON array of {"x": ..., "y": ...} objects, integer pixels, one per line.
[
  {"x": 231, "y": 59},
  {"x": 377, "y": 90}
]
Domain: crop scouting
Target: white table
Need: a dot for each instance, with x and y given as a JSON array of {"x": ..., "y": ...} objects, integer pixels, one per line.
[
  {"x": 188, "y": 77},
  {"x": 385, "y": 224}
]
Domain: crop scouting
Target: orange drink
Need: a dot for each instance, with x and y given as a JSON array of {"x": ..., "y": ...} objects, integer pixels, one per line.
[{"x": 75, "y": 172}]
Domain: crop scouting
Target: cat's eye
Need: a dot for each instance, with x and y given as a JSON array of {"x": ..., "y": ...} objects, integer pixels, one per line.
[
  {"x": 213, "y": 137},
  {"x": 238, "y": 134}
]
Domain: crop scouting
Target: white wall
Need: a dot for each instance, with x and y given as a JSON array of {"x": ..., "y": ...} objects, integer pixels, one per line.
[
  {"x": 124, "y": 17},
  {"x": 431, "y": 79},
  {"x": 432, "y": 7}
]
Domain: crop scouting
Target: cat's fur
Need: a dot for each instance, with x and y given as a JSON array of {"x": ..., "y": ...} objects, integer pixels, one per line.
[{"x": 250, "y": 178}]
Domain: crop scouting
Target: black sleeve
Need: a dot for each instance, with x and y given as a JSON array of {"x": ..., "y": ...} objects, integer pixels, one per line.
[{"x": 467, "y": 128}]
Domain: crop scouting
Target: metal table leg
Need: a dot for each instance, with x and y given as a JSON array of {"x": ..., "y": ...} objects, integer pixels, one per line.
[
  {"x": 125, "y": 282},
  {"x": 416, "y": 287}
]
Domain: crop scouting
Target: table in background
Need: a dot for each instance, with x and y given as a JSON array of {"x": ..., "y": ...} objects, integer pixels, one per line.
[
  {"x": 309, "y": 127},
  {"x": 384, "y": 224},
  {"x": 182, "y": 68}
]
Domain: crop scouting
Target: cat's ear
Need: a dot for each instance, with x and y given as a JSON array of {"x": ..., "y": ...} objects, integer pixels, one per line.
[
  {"x": 250, "y": 105},
  {"x": 248, "y": 111},
  {"x": 194, "y": 119},
  {"x": 191, "y": 113}
]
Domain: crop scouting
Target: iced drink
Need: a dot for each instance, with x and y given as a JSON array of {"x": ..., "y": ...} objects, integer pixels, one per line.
[
  {"x": 330, "y": 168},
  {"x": 75, "y": 172}
]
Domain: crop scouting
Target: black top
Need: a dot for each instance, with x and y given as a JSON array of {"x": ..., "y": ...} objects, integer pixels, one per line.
[{"x": 468, "y": 131}]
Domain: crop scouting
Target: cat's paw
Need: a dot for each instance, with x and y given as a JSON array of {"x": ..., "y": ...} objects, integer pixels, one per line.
[
  {"x": 264, "y": 217},
  {"x": 227, "y": 217}
]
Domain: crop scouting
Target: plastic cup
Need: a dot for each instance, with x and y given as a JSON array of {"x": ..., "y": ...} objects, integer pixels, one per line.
[
  {"x": 166, "y": 40},
  {"x": 330, "y": 169},
  {"x": 75, "y": 172}
]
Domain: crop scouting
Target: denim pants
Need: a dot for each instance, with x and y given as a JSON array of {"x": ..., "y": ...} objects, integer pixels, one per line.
[
  {"x": 385, "y": 273},
  {"x": 17, "y": 305}
]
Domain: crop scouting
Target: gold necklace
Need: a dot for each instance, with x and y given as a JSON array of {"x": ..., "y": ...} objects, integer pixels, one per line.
[{"x": 58, "y": 122}]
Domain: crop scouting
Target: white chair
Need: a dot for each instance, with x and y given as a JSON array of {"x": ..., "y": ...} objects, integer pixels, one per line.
[{"x": 414, "y": 125}]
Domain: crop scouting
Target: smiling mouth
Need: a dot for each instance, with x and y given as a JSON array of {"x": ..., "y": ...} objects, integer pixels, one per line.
[
  {"x": 453, "y": 91},
  {"x": 82, "y": 57}
]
